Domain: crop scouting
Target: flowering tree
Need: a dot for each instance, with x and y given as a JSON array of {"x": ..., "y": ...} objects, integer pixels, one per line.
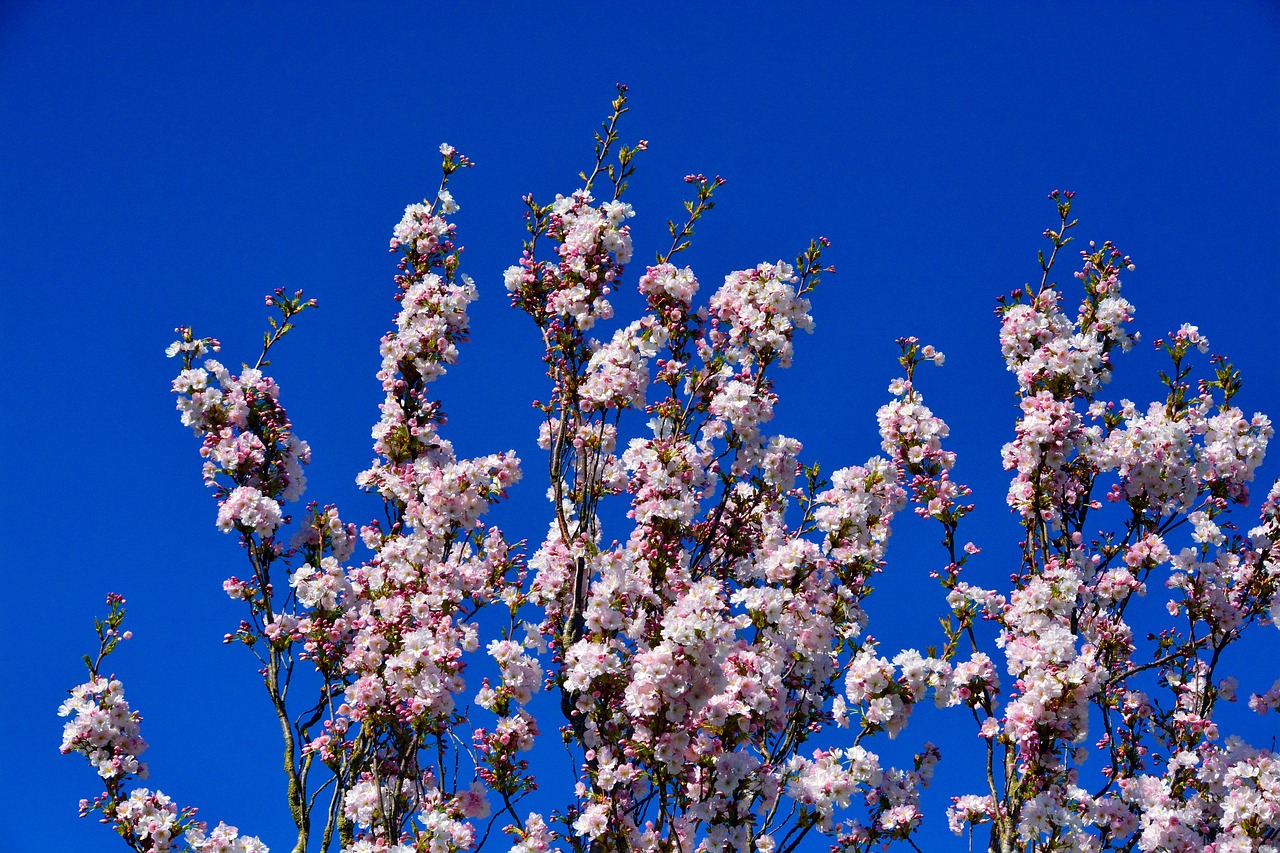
[{"x": 716, "y": 681}]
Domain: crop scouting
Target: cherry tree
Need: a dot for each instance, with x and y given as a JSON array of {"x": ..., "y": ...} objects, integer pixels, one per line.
[{"x": 717, "y": 682}]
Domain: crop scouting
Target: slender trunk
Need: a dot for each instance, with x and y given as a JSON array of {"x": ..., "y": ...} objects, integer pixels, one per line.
[{"x": 296, "y": 784}]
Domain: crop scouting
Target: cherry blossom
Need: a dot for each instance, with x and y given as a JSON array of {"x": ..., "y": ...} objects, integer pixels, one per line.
[{"x": 697, "y": 605}]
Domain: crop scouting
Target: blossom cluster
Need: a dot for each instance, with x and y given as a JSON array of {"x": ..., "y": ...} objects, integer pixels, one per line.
[
  {"x": 253, "y": 460},
  {"x": 594, "y": 244},
  {"x": 1044, "y": 348},
  {"x": 104, "y": 729},
  {"x": 757, "y": 312}
]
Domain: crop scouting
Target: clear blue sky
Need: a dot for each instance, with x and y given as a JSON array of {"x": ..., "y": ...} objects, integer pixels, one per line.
[{"x": 171, "y": 163}]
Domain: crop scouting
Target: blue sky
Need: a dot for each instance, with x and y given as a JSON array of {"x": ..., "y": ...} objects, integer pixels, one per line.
[{"x": 171, "y": 163}]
